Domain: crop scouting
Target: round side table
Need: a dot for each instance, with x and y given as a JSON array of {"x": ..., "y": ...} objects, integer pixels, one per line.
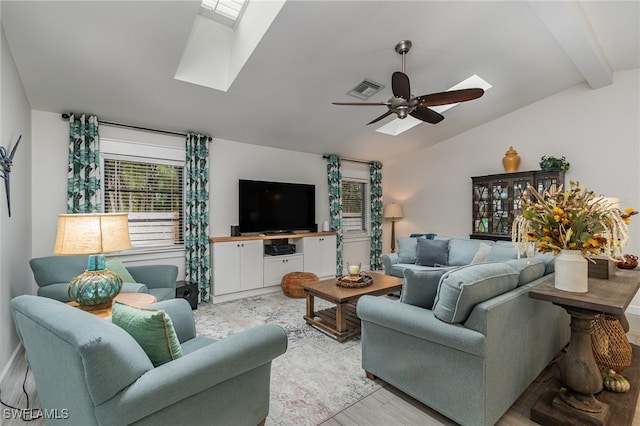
[{"x": 132, "y": 299}]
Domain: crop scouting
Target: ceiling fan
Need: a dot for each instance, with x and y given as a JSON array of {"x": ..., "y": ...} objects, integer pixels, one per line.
[{"x": 403, "y": 103}]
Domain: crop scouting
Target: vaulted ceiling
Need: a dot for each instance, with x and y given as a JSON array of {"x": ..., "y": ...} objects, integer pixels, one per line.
[{"x": 119, "y": 60}]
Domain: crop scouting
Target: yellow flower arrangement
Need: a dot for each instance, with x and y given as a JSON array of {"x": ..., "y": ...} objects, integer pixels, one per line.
[{"x": 571, "y": 220}]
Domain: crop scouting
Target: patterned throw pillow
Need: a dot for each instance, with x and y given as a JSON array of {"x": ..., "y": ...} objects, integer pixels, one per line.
[{"x": 151, "y": 328}]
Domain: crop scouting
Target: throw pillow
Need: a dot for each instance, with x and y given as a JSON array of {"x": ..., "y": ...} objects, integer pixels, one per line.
[
  {"x": 501, "y": 252},
  {"x": 407, "y": 250},
  {"x": 481, "y": 254},
  {"x": 419, "y": 287},
  {"x": 115, "y": 265},
  {"x": 462, "y": 250},
  {"x": 528, "y": 269},
  {"x": 429, "y": 236},
  {"x": 432, "y": 252},
  {"x": 549, "y": 261},
  {"x": 151, "y": 328},
  {"x": 462, "y": 289}
]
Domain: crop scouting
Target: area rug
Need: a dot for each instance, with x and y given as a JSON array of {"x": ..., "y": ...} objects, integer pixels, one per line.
[{"x": 316, "y": 378}]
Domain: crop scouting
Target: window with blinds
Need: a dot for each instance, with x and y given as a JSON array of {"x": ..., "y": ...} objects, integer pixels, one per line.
[
  {"x": 152, "y": 194},
  {"x": 355, "y": 212}
]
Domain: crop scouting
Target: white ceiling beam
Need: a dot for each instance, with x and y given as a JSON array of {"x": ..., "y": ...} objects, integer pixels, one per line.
[{"x": 569, "y": 26}]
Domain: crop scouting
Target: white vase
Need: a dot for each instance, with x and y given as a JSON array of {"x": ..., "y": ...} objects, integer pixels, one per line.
[{"x": 571, "y": 271}]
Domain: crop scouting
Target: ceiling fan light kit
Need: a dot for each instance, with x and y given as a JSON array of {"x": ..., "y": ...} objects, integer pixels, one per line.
[{"x": 404, "y": 104}]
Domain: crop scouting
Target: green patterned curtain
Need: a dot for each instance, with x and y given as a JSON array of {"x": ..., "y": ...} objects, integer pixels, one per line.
[
  {"x": 334, "y": 175},
  {"x": 375, "y": 188},
  {"x": 196, "y": 238},
  {"x": 83, "y": 178}
]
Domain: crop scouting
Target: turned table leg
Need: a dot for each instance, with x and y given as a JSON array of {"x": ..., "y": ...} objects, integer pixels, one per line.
[{"x": 578, "y": 369}]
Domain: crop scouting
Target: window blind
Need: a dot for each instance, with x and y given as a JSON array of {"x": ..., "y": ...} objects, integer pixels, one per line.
[
  {"x": 355, "y": 212},
  {"x": 152, "y": 194}
]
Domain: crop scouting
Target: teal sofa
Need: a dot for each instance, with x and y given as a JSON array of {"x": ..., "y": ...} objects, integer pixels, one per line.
[
  {"x": 92, "y": 372},
  {"x": 465, "y": 341},
  {"x": 455, "y": 252},
  {"x": 53, "y": 274}
]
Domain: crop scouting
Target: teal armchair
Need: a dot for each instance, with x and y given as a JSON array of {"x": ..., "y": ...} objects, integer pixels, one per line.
[
  {"x": 53, "y": 274},
  {"x": 97, "y": 374}
]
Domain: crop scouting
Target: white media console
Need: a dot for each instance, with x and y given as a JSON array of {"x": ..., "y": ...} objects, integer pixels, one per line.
[{"x": 241, "y": 268}]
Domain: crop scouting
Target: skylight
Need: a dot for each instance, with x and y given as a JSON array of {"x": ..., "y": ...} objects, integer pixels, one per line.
[
  {"x": 226, "y": 12},
  {"x": 397, "y": 126}
]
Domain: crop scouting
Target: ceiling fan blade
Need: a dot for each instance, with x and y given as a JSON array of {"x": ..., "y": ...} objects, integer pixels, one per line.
[
  {"x": 361, "y": 103},
  {"x": 386, "y": 114},
  {"x": 426, "y": 114},
  {"x": 400, "y": 85},
  {"x": 450, "y": 97}
]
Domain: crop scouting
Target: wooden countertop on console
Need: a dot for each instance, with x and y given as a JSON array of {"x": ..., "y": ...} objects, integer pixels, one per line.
[{"x": 269, "y": 237}]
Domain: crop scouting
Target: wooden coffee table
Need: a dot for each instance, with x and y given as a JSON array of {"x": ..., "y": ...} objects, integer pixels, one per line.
[
  {"x": 132, "y": 299},
  {"x": 342, "y": 321}
]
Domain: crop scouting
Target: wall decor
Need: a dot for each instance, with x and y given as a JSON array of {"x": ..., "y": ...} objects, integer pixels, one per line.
[{"x": 5, "y": 169}]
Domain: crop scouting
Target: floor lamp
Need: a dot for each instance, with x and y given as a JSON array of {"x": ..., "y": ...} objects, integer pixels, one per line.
[{"x": 393, "y": 211}]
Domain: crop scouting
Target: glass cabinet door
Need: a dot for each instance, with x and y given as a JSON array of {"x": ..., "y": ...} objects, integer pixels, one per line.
[
  {"x": 480, "y": 208},
  {"x": 549, "y": 181},
  {"x": 499, "y": 208},
  {"x": 519, "y": 186},
  {"x": 497, "y": 200}
]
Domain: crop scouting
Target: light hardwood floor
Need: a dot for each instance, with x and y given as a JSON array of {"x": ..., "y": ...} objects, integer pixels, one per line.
[
  {"x": 385, "y": 407},
  {"x": 390, "y": 407}
]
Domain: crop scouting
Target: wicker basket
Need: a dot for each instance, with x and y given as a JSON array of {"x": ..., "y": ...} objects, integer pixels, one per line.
[{"x": 609, "y": 343}]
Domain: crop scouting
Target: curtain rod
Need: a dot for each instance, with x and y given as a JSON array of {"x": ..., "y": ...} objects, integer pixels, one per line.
[
  {"x": 352, "y": 160},
  {"x": 66, "y": 116}
]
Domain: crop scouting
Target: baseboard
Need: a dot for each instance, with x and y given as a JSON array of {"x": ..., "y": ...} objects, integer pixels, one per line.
[
  {"x": 248, "y": 293},
  {"x": 10, "y": 365}
]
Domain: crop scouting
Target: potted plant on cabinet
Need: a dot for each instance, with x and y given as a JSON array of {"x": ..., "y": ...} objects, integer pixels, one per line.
[{"x": 551, "y": 164}]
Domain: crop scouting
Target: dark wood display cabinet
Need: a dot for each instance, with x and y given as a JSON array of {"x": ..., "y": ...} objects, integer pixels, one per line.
[{"x": 497, "y": 200}]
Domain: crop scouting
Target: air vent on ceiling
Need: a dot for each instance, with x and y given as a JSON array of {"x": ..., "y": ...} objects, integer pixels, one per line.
[{"x": 365, "y": 89}]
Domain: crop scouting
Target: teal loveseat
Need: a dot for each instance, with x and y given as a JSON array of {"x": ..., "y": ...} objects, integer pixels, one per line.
[
  {"x": 53, "y": 274},
  {"x": 466, "y": 342},
  {"x": 89, "y": 371}
]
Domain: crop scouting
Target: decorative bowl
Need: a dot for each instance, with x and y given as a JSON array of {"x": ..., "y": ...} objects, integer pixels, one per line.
[
  {"x": 630, "y": 261},
  {"x": 349, "y": 281}
]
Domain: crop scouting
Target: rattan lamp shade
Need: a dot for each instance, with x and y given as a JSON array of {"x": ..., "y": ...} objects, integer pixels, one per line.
[{"x": 92, "y": 233}]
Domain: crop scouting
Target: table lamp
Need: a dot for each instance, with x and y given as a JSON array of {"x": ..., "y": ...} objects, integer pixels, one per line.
[
  {"x": 394, "y": 212},
  {"x": 93, "y": 234}
]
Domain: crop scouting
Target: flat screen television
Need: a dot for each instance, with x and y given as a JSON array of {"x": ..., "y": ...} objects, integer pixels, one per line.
[{"x": 273, "y": 207}]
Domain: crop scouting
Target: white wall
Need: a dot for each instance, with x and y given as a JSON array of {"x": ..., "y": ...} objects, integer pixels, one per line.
[
  {"x": 597, "y": 130},
  {"x": 15, "y": 231},
  {"x": 230, "y": 161},
  {"x": 50, "y": 141}
]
